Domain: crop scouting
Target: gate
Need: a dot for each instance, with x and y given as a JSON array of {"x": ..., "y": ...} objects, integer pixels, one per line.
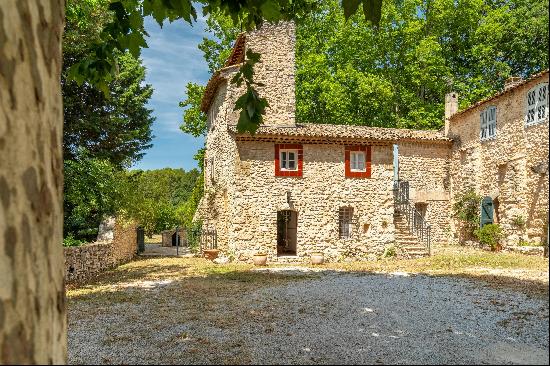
[
  {"x": 202, "y": 237},
  {"x": 140, "y": 239}
]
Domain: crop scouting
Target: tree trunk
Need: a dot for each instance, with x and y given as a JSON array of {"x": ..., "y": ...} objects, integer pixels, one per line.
[{"x": 33, "y": 326}]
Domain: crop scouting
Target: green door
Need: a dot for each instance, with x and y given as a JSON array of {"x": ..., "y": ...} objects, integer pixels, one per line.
[{"x": 486, "y": 211}]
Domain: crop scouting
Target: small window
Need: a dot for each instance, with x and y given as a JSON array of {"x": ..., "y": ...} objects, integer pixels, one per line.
[
  {"x": 488, "y": 120},
  {"x": 537, "y": 104},
  {"x": 288, "y": 160},
  {"x": 345, "y": 216},
  {"x": 357, "y": 161}
]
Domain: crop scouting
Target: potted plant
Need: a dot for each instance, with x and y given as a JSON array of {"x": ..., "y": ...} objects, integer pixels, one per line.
[
  {"x": 260, "y": 259},
  {"x": 211, "y": 254},
  {"x": 317, "y": 258}
]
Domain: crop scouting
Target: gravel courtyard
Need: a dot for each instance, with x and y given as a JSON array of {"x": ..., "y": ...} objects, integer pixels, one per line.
[{"x": 175, "y": 313}]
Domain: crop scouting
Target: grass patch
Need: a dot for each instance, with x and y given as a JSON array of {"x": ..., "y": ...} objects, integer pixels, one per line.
[{"x": 451, "y": 261}]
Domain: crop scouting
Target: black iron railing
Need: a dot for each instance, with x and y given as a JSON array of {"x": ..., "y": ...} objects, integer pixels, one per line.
[
  {"x": 202, "y": 237},
  {"x": 416, "y": 223}
]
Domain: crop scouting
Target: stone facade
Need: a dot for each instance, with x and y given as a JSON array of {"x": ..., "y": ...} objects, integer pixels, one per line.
[
  {"x": 245, "y": 194},
  {"x": 168, "y": 237},
  {"x": 504, "y": 167},
  {"x": 89, "y": 260},
  {"x": 426, "y": 167}
]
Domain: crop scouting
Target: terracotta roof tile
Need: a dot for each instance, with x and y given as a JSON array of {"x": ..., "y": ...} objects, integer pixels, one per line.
[
  {"x": 237, "y": 54},
  {"x": 328, "y": 133},
  {"x": 532, "y": 77},
  {"x": 236, "y": 57}
]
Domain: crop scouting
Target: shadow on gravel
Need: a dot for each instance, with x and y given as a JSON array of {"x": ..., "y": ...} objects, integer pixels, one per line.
[{"x": 178, "y": 311}]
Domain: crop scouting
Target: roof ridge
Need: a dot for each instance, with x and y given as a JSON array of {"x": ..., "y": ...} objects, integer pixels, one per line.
[{"x": 500, "y": 93}]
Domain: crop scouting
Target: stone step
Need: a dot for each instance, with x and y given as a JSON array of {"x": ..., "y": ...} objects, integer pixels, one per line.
[
  {"x": 406, "y": 238},
  {"x": 414, "y": 248}
]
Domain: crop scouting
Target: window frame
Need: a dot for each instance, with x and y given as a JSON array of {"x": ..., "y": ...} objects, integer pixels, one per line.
[
  {"x": 345, "y": 222},
  {"x": 357, "y": 161},
  {"x": 283, "y": 172},
  {"x": 367, "y": 150},
  {"x": 485, "y": 123},
  {"x": 536, "y": 90},
  {"x": 282, "y": 160}
]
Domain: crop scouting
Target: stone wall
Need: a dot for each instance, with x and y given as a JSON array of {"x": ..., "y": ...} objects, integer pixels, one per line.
[
  {"x": 167, "y": 236},
  {"x": 426, "y": 167},
  {"x": 89, "y": 260},
  {"x": 502, "y": 167},
  {"x": 258, "y": 194},
  {"x": 276, "y": 43}
]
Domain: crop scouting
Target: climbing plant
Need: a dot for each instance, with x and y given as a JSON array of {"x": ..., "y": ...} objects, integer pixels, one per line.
[{"x": 466, "y": 208}]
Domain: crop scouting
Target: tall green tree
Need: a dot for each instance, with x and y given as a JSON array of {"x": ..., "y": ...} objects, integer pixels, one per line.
[
  {"x": 396, "y": 75},
  {"x": 101, "y": 135},
  {"x": 116, "y": 127},
  {"x": 93, "y": 188},
  {"x": 158, "y": 199}
]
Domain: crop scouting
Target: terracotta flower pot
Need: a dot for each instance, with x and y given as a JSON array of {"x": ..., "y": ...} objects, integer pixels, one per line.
[
  {"x": 211, "y": 254},
  {"x": 317, "y": 258},
  {"x": 259, "y": 259}
]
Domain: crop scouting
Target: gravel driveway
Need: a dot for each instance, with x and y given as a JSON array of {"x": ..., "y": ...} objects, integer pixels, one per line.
[{"x": 330, "y": 318}]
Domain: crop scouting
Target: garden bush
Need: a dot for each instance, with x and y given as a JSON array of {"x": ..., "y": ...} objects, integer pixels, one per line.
[{"x": 489, "y": 234}]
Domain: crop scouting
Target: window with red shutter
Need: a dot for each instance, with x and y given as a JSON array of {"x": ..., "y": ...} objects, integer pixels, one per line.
[
  {"x": 358, "y": 161},
  {"x": 289, "y": 160}
]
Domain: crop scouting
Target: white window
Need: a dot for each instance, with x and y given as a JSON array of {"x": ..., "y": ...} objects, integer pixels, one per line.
[
  {"x": 288, "y": 159},
  {"x": 537, "y": 104},
  {"x": 357, "y": 163},
  {"x": 345, "y": 215},
  {"x": 488, "y": 121}
]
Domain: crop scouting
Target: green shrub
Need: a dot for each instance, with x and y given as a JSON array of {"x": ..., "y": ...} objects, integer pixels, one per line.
[
  {"x": 194, "y": 236},
  {"x": 489, "y": 234},
  {"x": 389, "y": 251},
  {"x": 70, "y": 241},
  {"x": 518, "y": 221},
  {"x": 466, "y": 208}
]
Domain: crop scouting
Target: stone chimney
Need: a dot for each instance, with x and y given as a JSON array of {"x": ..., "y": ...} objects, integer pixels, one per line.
[
  {"x": 511, "y": 82},
  {"x": 276, "y": 43},
  {"x": 451, "y": 107}
]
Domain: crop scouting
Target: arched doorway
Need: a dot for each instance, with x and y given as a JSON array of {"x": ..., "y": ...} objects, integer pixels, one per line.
[{"x": 287, "y": 223}]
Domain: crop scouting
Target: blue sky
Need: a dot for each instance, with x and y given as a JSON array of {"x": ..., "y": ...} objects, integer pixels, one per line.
[{"x": 172, "y": 60}]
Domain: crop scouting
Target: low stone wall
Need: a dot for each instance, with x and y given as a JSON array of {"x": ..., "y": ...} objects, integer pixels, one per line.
[{"x": 89, "y": 260}]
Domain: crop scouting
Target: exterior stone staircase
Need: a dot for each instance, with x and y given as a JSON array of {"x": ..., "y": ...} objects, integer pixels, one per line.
[
  {"x": 412, "y": 232},
  {"x": 407, "y": 244}
]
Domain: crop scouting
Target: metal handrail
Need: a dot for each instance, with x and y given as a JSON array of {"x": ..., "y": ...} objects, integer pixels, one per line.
[{"x": 416, "y": 223}]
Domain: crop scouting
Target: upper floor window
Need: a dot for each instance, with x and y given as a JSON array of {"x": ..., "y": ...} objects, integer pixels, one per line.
[
  {"x": 358, "y": 161},
  {"x": 288, "y": 160},
  {"x": 488, "y": 120},
  {"x": 537, "y": 104}
]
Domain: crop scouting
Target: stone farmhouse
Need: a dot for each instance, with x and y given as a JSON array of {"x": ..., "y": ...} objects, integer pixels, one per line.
[{"x": 293, "y": 189}]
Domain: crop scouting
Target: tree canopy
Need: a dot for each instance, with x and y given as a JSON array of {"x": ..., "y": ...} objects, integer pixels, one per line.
[
  {"x": 160, "y": 199},
  {"x": 126, "y": 32},
  {"x": 396, "y": 75},
  {"x": 116, "y": 127}
]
